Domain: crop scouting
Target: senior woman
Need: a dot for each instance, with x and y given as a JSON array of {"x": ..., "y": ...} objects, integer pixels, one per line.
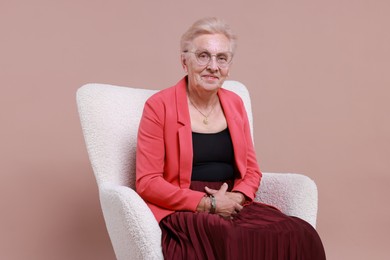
[{"x": 197, "y": 167}]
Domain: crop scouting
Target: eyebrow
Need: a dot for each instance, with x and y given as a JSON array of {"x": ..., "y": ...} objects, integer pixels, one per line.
[{"x": 205, "y": 50}]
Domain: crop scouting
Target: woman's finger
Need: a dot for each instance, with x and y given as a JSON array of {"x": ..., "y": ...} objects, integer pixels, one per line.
[
  {"x": 238, "y": 207},
  {"x": 210, "y": 191},
  {"x": 223, "y": 188}
]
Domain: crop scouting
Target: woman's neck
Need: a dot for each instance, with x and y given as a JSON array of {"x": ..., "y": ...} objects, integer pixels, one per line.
[{"x": 202, "y": 100}]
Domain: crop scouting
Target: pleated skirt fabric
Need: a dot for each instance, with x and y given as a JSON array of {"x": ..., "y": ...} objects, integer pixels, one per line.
[{"x": 258, "y": 231}]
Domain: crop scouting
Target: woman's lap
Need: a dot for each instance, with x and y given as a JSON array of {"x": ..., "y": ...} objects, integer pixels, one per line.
[{"x": 259, "y": 231}]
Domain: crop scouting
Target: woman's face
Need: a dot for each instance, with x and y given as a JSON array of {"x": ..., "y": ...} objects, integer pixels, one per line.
[{"x": 208, "y": 77}]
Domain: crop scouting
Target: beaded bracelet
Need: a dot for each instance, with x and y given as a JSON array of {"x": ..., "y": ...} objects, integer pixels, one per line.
[
  {"x": 205, "y": 202},
  {"x": 213, "y": 204}
]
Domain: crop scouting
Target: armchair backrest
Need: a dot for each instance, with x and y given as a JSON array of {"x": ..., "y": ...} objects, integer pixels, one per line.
[{"x": 110, "y": 117}]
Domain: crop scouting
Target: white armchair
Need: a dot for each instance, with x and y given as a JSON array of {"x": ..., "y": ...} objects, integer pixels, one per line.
[{"x": 109, "y": 118}]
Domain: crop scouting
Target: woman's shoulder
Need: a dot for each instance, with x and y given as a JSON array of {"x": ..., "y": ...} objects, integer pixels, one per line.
[
  {"x": 162, "y": 96},
  {"x": 231, "y": 96},
  {"x": 166, "y": 95}
]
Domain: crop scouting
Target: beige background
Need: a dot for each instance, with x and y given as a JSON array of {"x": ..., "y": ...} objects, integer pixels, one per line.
[{"x": 318, "y": 73}]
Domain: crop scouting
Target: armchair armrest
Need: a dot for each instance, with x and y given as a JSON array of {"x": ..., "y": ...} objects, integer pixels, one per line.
[
  {"x": 294, "y": 194},
  {"x": 133, "y": 230}
]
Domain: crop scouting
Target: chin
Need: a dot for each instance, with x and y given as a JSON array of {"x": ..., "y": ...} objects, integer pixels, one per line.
[{"x": 212, "y": 85}]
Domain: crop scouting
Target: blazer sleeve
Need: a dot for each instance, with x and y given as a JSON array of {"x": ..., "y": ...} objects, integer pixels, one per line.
[
  {"x": 249, "y": 182},
  {"x": 151, "y": 180}
]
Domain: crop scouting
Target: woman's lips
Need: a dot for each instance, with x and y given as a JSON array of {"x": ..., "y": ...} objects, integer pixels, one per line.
[{"x": 210, "y": 77}]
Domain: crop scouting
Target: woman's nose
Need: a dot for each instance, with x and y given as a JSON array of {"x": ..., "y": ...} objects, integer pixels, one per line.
[{"x": 213, "y": 65}]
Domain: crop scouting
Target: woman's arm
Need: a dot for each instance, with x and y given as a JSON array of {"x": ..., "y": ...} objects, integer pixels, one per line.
[{"x": 151, "y": 181}]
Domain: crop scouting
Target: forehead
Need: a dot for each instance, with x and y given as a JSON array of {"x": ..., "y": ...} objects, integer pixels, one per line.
[{"x": 212, "y": 43}]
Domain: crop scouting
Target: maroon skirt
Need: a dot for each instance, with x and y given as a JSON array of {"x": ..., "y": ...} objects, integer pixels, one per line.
[{"x": 258, "y": 231}]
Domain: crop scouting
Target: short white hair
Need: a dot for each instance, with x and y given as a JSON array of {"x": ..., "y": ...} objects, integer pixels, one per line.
[{"x": 209, "y": 25}]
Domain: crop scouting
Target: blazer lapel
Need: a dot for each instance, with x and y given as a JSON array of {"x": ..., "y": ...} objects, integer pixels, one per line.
[
  {"x": 235, "y": 125},
  {"x": 184, "y": 134}
]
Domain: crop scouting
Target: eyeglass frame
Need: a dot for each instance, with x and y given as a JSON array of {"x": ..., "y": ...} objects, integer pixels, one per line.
[{"x": 211, "y": 56}]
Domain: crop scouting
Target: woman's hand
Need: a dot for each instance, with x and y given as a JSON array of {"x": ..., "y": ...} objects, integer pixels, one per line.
[
  {"x": 228, "y": 203},
  {"x": 235, "y": 196}
]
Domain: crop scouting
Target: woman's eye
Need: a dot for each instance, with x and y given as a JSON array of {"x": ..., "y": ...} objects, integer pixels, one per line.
[
  {"x": 222, "y": 58},
  {"x": 203, "y": 55}
]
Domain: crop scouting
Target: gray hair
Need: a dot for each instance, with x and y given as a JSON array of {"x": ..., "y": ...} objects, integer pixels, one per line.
[{"x": 209, "y": 25}]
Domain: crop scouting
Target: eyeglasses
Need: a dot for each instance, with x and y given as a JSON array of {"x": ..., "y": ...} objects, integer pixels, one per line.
[{"x": 203, "y": 58}]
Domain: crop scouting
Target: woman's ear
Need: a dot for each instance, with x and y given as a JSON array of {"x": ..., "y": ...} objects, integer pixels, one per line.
[{"x": 184, "y": 62}]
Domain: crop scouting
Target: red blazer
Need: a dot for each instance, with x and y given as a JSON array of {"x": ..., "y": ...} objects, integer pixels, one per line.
[{"x": 164, "y": 151}]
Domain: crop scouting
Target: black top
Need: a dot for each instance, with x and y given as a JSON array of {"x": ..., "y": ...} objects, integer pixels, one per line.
[{"x": 213, "y": 156}]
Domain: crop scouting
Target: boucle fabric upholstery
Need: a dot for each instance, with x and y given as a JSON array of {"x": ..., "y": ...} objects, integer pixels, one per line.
[{"x": 109, "y": 118}]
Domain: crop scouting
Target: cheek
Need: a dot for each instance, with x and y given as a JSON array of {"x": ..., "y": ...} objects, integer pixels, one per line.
[
  {"x": 225, "y": 72},
  {"x": 193, "y": 70}
]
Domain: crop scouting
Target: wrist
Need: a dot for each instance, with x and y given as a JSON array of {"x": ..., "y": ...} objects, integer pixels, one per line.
[
  {"x": 204, "y": 204},
  {"x": 241, "y": 197}
]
